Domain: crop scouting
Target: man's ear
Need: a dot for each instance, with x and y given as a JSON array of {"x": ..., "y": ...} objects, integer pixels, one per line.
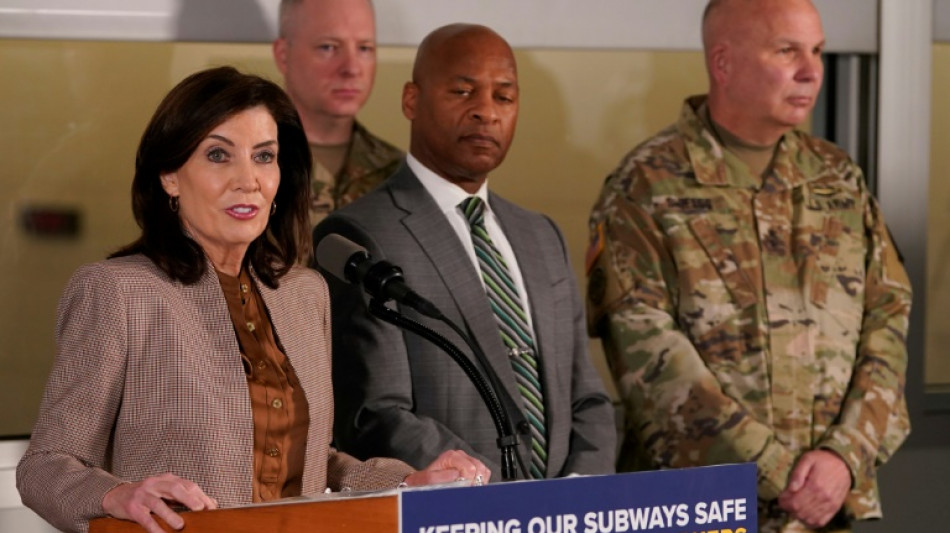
[
  {"x": 279, "y": 49},
  {"x": 410, "y": 95},
  {"x": 719, "y": 64}
]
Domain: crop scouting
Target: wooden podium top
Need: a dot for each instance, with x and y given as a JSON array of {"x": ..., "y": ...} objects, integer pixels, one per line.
[
  {"x": 356, "y": 514},
  {"x": 712, "y": 498}
]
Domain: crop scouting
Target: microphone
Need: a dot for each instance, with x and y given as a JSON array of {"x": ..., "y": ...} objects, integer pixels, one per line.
[{"x": 350, "y": 262}]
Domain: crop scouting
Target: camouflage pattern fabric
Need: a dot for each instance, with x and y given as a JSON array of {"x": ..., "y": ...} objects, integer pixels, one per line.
[
  {"x": 369, "y": 162},
  {"x": 750, "y": 319}
]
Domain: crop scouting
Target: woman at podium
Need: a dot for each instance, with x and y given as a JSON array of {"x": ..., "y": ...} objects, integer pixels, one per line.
[{"x": 193, "y": 365}]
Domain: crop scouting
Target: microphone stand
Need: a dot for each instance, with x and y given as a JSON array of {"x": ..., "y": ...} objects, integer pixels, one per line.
[{"x": 507, "y": 438}]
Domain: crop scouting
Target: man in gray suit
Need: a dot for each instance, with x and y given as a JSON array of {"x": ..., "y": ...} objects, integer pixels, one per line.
[{"x": 498, "y": 271}]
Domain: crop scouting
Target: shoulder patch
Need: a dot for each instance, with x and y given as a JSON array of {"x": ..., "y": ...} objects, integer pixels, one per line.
[{"x": 594, "y": 248}]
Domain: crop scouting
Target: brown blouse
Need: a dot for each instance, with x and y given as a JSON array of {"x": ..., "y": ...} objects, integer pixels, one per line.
[{"x": 278, "y": 404}]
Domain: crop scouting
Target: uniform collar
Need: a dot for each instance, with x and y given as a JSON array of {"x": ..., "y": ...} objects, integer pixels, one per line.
[{"x": 794, "y": 164}]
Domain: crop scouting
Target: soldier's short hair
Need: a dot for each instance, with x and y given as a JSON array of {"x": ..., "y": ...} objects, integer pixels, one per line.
[{"x": 284, "y": 14}]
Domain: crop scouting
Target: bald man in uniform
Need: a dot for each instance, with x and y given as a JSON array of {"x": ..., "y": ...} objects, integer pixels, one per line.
[{"x": 749, "y": 297}]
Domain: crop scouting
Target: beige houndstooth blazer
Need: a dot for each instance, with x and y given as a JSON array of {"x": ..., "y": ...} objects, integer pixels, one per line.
[{"x": 148, "y": 379}]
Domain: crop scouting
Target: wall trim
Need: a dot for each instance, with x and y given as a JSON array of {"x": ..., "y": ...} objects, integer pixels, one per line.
[{"x": 617, "y": 24}]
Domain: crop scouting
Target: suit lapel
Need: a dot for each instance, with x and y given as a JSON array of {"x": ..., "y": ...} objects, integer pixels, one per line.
[
  {"x": 534, "y": 268},
  {"x": 538, "y": 278},
  {"x": 428, "y": 225}
]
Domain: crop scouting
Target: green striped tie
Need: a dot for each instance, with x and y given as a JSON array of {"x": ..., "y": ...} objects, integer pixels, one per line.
[{"x": 513, "y": 325}]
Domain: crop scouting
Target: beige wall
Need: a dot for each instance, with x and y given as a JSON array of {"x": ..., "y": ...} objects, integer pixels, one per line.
[
  {"x": 937, "y": 365},
  {"x": 74, "y": 112},
  {"x": 71, "y": 120}
]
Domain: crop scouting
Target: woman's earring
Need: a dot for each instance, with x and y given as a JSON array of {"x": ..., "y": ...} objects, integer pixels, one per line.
[
  {"x": 273, "y": 208},
  {"x": 173, "y": 203}
]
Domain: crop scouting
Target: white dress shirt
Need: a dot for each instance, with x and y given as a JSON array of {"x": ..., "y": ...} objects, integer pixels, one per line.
[{"x": 448, "y": 196}]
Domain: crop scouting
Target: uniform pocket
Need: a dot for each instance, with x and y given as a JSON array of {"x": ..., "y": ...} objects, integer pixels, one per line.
[
  {"x": 835, "y": 271},
  {"x": 724, "y": 258},
  {"x": 716, "y": 297}
]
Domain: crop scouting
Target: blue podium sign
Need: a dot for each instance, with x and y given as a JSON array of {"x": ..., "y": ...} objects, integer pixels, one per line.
[{"x": 714, "y": 499}]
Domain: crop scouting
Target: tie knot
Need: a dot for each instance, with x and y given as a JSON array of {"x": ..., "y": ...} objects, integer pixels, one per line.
[{"x": 474, "y": 210}]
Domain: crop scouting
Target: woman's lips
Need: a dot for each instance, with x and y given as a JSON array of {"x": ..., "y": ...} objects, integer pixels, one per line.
[{"x": 243, "y": 212}]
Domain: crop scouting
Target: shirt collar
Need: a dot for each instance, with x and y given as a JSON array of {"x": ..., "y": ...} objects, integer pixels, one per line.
[{"x": 446, "y": 194}]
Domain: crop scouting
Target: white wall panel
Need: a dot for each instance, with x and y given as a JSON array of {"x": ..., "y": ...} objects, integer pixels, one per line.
[
  {"x": 13, "y": 516},
  {"x": 644, "y": 24},
  {"x": 941, "y": 20}
]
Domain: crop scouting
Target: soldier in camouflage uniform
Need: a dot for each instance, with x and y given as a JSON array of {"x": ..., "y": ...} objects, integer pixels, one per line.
[
  {"x": 747, "y": 315},
  {"x": 326, "y": 50},
  {"x": 369, "y": 161}
]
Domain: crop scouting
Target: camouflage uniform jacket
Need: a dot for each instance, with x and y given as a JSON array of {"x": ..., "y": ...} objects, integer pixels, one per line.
[
  {"x": 369, "y": 161},
  {"x": 750, "y": 319}
]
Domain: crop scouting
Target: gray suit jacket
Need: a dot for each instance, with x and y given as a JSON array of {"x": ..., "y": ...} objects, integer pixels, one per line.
[
  {"x": 148, "y": 379},
  {"x": 399, "y": 396}
]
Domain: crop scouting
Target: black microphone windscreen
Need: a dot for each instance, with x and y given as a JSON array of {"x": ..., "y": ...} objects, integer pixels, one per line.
[{"x": 333, "y": 253}]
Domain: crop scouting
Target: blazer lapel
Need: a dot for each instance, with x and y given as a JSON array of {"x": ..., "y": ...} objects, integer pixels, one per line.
[{"x": 296, "y": 320}]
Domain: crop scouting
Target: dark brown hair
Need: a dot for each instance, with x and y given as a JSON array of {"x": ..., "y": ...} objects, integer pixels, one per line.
[{"x": 182, "y": 120}]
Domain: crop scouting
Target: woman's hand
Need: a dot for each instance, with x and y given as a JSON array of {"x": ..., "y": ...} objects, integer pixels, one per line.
[
  {"x": 452, "y": 465},
  {"x": 138, "y": 501}
]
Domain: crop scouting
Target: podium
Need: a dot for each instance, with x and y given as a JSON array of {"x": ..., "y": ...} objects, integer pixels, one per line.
[
  {"x": 356, "y": 514},
  {"x": 719, "y": 499}
]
